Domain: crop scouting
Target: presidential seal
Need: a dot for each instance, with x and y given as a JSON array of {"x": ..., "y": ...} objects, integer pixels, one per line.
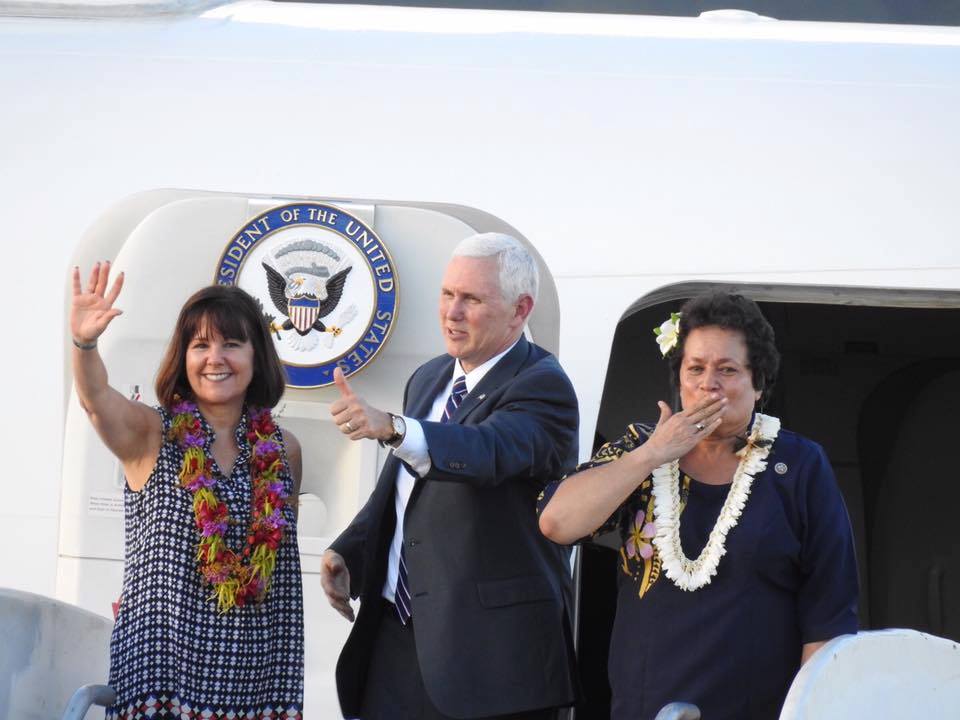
[{"x": 325, "y": 282}]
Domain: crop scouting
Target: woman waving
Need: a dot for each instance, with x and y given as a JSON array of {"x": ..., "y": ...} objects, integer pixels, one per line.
[{"x": 210, "y": 623}]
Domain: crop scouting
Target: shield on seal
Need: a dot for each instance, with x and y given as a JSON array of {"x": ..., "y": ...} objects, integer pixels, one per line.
[{"x": 303, "y": 311}]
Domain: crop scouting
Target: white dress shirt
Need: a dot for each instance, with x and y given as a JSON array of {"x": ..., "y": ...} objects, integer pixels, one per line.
[{"x": 414, "y": 451}]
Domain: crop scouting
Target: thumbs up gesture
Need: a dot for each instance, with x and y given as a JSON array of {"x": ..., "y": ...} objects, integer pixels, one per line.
[{"x": 354, "y": 416}]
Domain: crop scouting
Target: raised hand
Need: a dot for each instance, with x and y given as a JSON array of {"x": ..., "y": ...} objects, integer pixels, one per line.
[
  {"x": 92, "y": 310},
  {"x": 677, "y": 433},
  {"x": 354, "y": 416},
  {"x": 335, "y": 581}
]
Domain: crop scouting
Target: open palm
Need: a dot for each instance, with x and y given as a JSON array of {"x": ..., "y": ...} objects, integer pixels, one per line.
[{"x": 92, "y": 309}]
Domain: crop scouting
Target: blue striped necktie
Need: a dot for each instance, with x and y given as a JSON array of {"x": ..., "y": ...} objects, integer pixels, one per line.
[
  {"x": 456, "y": 397},
  {"x": 401, "y": 598}
]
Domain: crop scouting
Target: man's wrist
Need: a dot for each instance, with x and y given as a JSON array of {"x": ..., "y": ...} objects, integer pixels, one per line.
[{"x": 397, "y": 430}]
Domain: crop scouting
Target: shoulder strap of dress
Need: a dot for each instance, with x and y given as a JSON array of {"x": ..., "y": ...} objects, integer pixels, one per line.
[{"x": 166, "y": 419}]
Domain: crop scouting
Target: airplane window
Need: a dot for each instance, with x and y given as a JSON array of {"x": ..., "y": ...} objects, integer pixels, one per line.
[{"x": 908, "y": 12}]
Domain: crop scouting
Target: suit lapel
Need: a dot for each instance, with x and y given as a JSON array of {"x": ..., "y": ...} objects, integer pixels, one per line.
[
  {"x": 421, "y": 398},
  {"x": 500, "y": 373}
]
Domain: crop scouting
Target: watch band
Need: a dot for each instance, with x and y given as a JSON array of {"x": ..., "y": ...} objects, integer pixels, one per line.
[{"x": 399, "y": 431}]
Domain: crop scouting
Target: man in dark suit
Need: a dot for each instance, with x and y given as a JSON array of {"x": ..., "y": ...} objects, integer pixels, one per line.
[{"x": 463, "y": 603}]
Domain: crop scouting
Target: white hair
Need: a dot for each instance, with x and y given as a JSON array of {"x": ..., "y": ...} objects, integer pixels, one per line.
[{"x": 518, "y": 270}]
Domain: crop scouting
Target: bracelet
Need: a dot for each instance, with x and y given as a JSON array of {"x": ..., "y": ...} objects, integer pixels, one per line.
[{"x": 85, "y": 346}]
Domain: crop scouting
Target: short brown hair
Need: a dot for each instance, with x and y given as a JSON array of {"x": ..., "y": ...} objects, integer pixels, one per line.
[{"x": 234, "y": 314}]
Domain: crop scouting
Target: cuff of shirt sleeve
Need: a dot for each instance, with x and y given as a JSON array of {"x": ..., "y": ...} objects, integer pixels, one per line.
[{"x": 413, "y": 450}]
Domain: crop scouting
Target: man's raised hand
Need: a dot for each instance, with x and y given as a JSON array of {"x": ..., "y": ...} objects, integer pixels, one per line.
[{"x": 354, "y": 417}]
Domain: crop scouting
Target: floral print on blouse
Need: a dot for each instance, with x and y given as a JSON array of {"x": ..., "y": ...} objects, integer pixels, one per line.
[{"x": 634, "y": 519}]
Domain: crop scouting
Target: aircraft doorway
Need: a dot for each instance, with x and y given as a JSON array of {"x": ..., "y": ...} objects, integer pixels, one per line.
[
  {"x": 170, "y": 242},
  {"x": 874, "y": 377}
]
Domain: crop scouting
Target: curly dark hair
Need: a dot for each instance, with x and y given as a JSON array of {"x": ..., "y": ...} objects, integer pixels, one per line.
[
  {"x": 731, "y": 312},
  {"x": 232, "y": 313}
]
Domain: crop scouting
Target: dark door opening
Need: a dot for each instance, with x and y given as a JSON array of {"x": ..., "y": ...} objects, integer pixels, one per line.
[{"x": 878, "y": 386}]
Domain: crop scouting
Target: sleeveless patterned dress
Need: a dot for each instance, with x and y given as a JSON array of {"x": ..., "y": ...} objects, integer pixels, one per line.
[{"x": 173, "y": 654}]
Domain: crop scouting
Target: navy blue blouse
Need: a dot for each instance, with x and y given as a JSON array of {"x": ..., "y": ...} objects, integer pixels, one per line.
[{"x": 732, "y": 647}]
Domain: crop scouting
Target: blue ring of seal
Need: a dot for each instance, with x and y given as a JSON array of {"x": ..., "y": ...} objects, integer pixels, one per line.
[{"x": 352, "y": 229}]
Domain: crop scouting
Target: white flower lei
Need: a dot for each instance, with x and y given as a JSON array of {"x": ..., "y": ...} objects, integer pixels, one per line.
[{"x": 689, "y": 574}]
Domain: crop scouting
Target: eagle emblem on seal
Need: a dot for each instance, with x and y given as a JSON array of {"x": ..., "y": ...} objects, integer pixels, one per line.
[{"x": 305, "y": 280}]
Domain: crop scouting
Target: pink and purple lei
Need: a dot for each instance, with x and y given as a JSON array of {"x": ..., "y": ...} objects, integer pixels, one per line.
[{"x": 237, "y": 578}]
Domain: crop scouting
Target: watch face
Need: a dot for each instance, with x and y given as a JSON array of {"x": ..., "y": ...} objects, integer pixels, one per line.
[{"x": 399, "y": 426}]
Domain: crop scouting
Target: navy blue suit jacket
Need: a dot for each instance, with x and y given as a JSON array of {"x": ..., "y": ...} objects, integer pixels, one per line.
[{"x": 490, "y": 595}]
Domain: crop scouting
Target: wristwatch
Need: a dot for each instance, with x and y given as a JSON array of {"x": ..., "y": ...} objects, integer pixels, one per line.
[{"x": 399, "y": 430}]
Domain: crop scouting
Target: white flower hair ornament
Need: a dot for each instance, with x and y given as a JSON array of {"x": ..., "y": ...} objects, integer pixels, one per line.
[{"x": 668, "y": 334}]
